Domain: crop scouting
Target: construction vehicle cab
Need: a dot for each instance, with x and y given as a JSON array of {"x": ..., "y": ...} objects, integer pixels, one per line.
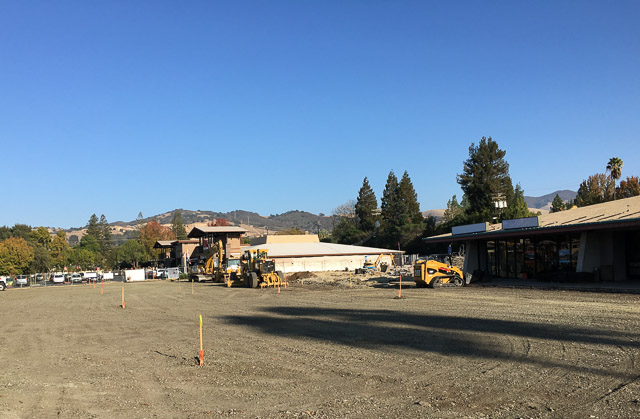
[{"x": 436, "y": 270}]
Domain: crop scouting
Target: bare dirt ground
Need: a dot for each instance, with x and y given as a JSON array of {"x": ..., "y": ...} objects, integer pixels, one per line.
[{"x": 318, "y": 350}]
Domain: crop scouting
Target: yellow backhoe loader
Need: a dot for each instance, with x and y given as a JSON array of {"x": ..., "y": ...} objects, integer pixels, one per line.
[
  {"x": 377, "y": 265},
  {"x": 217, "y": 267},
  {"x": 435, "y": 271}
]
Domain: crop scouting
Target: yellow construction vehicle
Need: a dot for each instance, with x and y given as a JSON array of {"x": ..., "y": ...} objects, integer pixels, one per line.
[
  {"x": 435, "y": 271},
  {"x": 257, "y": 270},
  {"x": 217, "y": 267},
  {"x": 372, "y": 267}
]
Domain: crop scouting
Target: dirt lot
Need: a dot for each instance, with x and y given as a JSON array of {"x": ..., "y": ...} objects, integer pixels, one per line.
[{"x": 316, "y": 350}]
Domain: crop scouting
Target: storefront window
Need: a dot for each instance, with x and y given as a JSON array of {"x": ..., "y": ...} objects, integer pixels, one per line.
[
  {"x": 502, "y": 259},
  {"x": 529, "y": 258},
  {"x": 511, "y": 259},
  {"x": 547, "y": 256},
  {"x": 491, "y": 254},
  {"x": 533, "y": 257},
  {"x": 564, "y": 254},
  {"x": 575, "y": 251},
  {"x": 519, "y": 257}
]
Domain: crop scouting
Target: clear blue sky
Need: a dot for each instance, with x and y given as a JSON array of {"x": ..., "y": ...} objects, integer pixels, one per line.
[{"x": 121, "y": 107}]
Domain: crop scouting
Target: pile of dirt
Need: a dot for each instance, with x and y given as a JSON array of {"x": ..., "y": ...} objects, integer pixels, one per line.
[
  {"x": 299, "y": 275},
  {"x": 342, "y": 279}
]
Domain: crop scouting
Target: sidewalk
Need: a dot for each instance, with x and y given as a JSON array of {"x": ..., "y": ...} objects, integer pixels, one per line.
[{"x": 623, "y": 287}]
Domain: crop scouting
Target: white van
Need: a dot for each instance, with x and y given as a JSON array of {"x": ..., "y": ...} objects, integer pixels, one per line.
[{"x": 90, "y": 276}]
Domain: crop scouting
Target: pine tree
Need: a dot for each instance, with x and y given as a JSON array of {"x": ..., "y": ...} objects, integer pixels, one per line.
[
  {"x": 557, "y": 204},
  {"x": 485, "y": 177},
  {"x": 517, "y": 207},
  {"x": 390, "y": 208},
  {"x": 139, "y": 224},
  {"x": 105, "y": 237},
  {"x": 366, "y": 206},
  {"x": 453, "y": 211},
  {"x": 93, "y": 228},
  {"x": 177, "y": 226},
  {"x": 408, "y": 201}
]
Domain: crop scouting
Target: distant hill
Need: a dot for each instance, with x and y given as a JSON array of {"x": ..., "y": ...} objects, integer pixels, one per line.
[
  {"x": 437, "y": 213},
  {"x": 544, "y": 202},
  {"x": 291, "y": 219}
]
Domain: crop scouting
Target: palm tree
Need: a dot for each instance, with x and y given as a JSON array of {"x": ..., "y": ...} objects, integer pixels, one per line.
[
  {"x": 615, "y": 167},
  {"x": 615, "y": 170}
]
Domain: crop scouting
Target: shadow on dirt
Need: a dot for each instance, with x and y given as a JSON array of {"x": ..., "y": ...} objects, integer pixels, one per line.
[{"x": 446, "y": 335}]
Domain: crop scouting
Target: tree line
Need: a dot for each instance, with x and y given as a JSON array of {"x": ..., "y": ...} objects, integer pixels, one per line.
[
  {"x": 600, "y": 187},
  {"x": 26, "y": 250},
  {"x": 488, "y": 196}
]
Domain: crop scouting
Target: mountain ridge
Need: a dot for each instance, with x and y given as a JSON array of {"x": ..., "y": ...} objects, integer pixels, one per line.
[{"x": 544, "y": 201}]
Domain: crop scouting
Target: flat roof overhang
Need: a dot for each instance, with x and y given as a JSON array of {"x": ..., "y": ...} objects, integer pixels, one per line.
[
  {"x": 517, "y": 233},
  {"x": 196, "y": 232}
]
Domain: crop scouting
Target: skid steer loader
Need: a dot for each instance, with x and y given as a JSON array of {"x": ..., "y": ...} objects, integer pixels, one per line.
[{"x": 436, "y": 271}]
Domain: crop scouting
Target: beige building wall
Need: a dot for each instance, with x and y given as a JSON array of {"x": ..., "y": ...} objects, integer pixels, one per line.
[
  {"x": 326, "y": 263},
  {"x": 233, "y": 246}
]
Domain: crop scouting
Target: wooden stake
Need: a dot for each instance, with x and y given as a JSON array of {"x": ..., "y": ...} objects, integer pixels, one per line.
[
  {"x": 123, "y": 297},
  {"x": 101, "y": 288},
  {"x": 400, "y": 289},
  {"x": 201, "y": 349}
]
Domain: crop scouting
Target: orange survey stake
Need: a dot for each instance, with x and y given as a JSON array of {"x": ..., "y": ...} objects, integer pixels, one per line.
[{"x": 201, "y": 350}]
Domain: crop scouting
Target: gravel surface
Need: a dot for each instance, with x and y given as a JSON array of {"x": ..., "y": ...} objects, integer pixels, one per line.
[{"x": 318, "y": 348}]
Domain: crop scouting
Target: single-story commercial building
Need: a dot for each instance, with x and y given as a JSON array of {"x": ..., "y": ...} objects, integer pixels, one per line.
[
  {"x": 305, "y": 253},
  {"x": 597, "y": 242}
]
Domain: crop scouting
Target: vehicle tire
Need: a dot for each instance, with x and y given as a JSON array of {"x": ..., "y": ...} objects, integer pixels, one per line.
[
  {"x": 253, "y": 280},
  {"x": 435, "y": 283},
  {"x": 458, "y": 282},
  {"x": 2, "y": 286}
]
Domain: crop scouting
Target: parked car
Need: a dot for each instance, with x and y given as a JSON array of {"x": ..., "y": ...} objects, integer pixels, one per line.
[
  {"x": 21, "y": 281},
  {"x": 3, "y": 283},
  {"x": 57, "y": 278},
  {"x": 76, "y": 277},
  {"x": 39, "y": 277}
]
